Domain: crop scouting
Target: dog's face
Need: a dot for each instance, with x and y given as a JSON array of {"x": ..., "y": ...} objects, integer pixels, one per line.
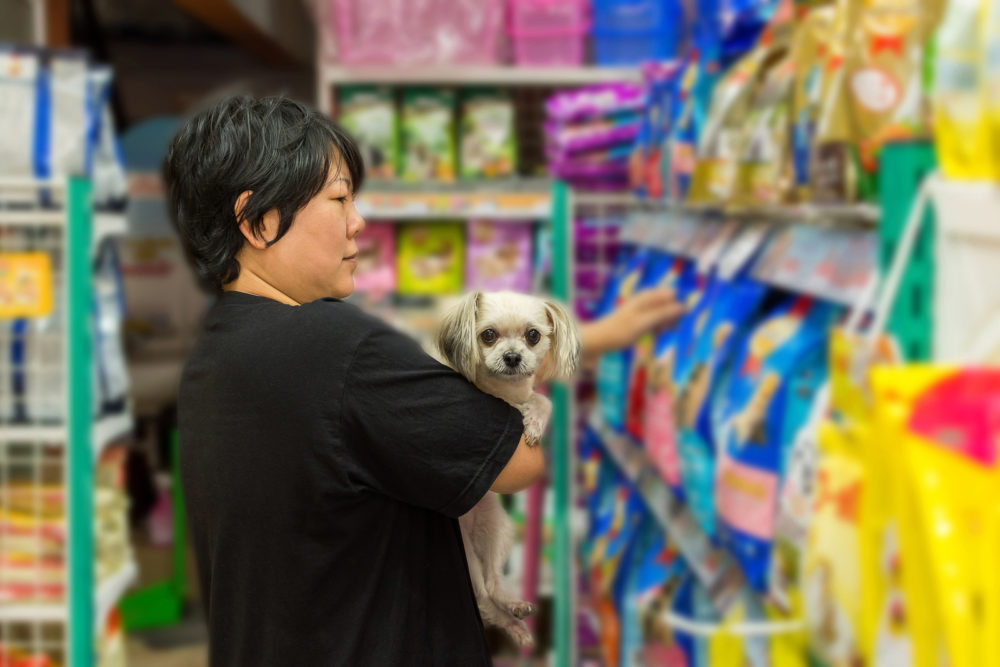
[{"x": 505, "y": 335}]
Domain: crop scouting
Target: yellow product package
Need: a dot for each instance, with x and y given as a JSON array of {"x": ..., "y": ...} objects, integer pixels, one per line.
[
  {"x": 884, "y": 74},
  {"x": 991, "y": 80},
  {"x": 831, "y": 563},
  {"x": 961, "y": 121},
  {"x": 948, "y": 421}
]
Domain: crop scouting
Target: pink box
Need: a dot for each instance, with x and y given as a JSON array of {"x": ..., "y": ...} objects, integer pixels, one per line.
[
  {"x": 411, "y": 32},
  {"x": 547, "y": 32},
  {"x": 498, "y": 256},
  {"x": 546, "y": 16}
]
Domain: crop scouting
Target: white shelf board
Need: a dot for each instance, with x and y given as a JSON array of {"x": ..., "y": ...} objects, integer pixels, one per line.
[
  {"x": 39, "y": 613},
  {"x": 111, "y": 591},
  {"x": 474, "y": 75},
  {"x": 33, "y": 217},
  {"x": 109, "y": 428},
  {"x": 43, "y": 434}
]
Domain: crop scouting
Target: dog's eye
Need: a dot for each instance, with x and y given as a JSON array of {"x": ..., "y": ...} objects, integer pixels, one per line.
[
  {"x": 533, "y": 336},
  {"x": 489, "y": 336}
]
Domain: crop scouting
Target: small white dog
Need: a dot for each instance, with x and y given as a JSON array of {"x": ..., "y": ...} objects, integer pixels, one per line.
[{"x": 498, "y": 340}]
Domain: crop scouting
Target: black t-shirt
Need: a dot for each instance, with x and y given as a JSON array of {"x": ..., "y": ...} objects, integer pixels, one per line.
[{"x": 325, "y": 459}]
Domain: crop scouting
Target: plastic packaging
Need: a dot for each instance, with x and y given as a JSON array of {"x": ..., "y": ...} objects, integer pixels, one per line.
[
  {"x": 429, "y": 151},
  {"x": 487, "y": 145},
  {"x": 498, "y": 256},
  {"x": 431, "y": 258},
  {"x": 368, "y": 113}
]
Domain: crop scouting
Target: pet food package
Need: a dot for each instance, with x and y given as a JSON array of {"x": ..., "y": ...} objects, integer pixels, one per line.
[
  {"x": 991, "y": 84},
  {"x": 729, "y": 309},
  {"x": 961, "y": 120},
  {"x": 654, "y": 573},
  {"x": 22, "y": 111},
  {"x": 808, "y": 57},
  {"x": 948, "y": 420},
  {"x": 692, "y": 95},
  {"x": 376, "y": 273},
  {"x": 109, "y": 314},
  {"x": 428, "y": 129},
  {"x": 775, "y": 376},
  {"x": 498, "y": 256},
  {"x": 613, "y": 368},
  {"x": 368, "y": 113},
  {"x": 431, "y": 258},
  {"x": 663, "y": 271},
  {"x": 883, "y": 72},
  {"x": 487, "y": 143}
]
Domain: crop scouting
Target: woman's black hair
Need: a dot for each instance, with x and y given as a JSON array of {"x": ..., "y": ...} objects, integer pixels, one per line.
[{"x": 275, "y": 147}]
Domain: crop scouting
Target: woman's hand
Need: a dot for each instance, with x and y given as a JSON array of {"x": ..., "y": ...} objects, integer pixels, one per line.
[{"x": 645, "y": 312}]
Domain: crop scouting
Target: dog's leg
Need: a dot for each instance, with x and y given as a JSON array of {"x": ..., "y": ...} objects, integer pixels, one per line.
[
  {"x": 494, "y": 535},
  {"x": 536, "y": 412}
]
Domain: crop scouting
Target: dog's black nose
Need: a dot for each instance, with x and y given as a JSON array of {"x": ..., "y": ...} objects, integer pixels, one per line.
[{"x": 512, "y": 359}]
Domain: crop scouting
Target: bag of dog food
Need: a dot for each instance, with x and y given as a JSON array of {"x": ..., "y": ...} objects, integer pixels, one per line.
[
  {"x": 488, "y": 144},
  {"x": 368, "y": 113},
  {"x": 498, "y": 256},
  {"x": 431, "y": 258},
  {"x": 809, "y": 51},
  {"x": 771, "y": 385},
  {"x": 428, "y": 129},
  {"x": 376, "y": 273}
]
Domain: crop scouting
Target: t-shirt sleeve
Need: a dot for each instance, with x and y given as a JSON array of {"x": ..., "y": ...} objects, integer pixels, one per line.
[{"x": 420, "y": 432}]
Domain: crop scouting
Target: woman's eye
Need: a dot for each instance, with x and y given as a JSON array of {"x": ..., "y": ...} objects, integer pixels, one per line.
[
  {"x": 533, "y": 336},
  {"x": 489, "y": 336}
]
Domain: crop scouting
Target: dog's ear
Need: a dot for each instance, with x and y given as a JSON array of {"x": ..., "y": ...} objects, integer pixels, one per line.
[
  {"x": 564, "y": 350},
  {"x": 456, "y": 335}
]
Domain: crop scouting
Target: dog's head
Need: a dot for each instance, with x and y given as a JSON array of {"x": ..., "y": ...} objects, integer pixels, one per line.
[{"x": 506, "y": 335}]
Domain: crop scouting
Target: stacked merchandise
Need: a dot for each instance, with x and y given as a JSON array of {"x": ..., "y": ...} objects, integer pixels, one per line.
[
  {"x": 590, "y": 132},
  {"x": 431, "y": 134}
]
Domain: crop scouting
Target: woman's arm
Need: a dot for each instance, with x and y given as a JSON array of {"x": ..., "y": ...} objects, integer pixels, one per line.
[
  {"x": 525, "y": 467},
  {"x": 649, "y": 310}
]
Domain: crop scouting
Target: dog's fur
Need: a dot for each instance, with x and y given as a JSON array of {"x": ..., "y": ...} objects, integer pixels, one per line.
[{"x": 488, "y": 338}]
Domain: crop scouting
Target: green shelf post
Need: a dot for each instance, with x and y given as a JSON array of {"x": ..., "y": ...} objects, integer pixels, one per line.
[
  {"x": 903, "y": 168},
  {"x": 80, "y": 465},
  {"x": 562, "y": 627}
]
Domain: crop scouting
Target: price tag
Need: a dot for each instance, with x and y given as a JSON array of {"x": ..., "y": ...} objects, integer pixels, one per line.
[{"x": 25, "y": 284}]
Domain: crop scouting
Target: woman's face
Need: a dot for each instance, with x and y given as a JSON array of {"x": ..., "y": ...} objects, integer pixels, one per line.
[{"x": 318, "y": 255}]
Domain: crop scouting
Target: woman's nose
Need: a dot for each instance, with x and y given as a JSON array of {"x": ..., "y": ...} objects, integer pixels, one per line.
[{"x": 356, "y": 224}]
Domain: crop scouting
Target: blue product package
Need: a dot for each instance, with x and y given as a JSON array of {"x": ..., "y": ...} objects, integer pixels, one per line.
[
  {"x": 600, "y": 507},
  {"x": 727, "y": 310},
  {"x": 775, "y": 375},
  {"x": 647, "y": 588}
]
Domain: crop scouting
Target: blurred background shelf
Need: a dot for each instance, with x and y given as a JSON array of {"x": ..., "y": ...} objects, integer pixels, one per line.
[
  {"x": 515, "y": 199},
  {"x": 498, "y": 75}
]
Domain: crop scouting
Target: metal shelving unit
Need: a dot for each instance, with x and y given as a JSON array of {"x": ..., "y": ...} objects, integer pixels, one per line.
[{"x": 48, "y": 451}]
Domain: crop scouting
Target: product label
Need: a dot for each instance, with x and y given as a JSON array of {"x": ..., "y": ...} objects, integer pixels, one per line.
[
  {"x": 25, "y": 284},
  {"x": 876, "y": 89},
  {"x": 661, "y": 438},
  {"x": 746, "y": 498}
]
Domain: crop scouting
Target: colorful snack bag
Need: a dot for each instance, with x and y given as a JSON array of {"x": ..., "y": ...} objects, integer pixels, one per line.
[
  {"x": 884, "y": 74},
  {"x": 428, "y": 128},
  {"x": 368, "y": 113},
  {"x": 776, "y": 374},
  {"x": 663, "y": 271},
  {"x": 376, "y": 273},
  {"x": 498, "y": 256},
  {"x": 727, "y": 311},
  {"x": 691, "y": 100},
  {"x": 809, "y": 57},
  {"x": 431, "y": 258},
  {"x": 596, "y": 101},
  {"x": 488, "y": 145}
]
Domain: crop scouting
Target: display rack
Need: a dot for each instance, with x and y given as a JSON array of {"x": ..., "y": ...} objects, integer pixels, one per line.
[
  {"x": 60, "y": 450},
  {"x": 525, "y": 200}
]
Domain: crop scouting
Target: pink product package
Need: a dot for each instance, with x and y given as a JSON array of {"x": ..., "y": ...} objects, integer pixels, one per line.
[
  {"x": 418, "y": 31},
  {"x": 376, "y": 273},
  {"x": 600, "y": 100},
  {"x": 600, "y": 133},
  {"x": 498, "y": 256}
]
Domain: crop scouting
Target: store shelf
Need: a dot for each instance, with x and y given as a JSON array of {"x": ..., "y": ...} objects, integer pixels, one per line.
[
  {"x": 111, "y": 591},
  {"x": 33, "y": 434},
  {"x": 518, "y": 199},
  {"x": 40, "y": 613},
  {"x": 109, "y": 428},
  {"x": 33, "y": 217},
  {"x": 486, "y": 75}
]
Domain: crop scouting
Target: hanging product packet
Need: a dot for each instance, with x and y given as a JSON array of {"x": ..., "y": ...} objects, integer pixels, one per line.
[
  {"x": 947, "y": 421},
  {"x": 809, "y": 48},
  {"x": 834, "y": 169},
  {"x": 428, "y": 134},
  {"x": 663, "y": 271},
  {"x": 692, "y": 97},
  {"x": 730, "y": 309},
  {"x": 487, "y": 142},
  {"x": 961, "y": 92},
  {"x": 369, "y": 114},
  {"x": 431, "y": 258},
  {"x": 498, "y": 256},
  {"x": 765, "y": 174},
  {"x": 23, "y": 108},
  {"x": 774, "y": 379},
  {"x": 883, "y": 70}
]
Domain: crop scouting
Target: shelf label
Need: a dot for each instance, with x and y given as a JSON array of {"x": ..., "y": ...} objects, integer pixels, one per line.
[{"x": 25, "y": 284}]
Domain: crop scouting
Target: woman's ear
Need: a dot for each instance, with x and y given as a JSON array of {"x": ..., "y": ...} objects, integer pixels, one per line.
[
  {"x": 267, "y": 229},
  {"x": 456, "y": 335},
  {"x": 564, "y": 351}
]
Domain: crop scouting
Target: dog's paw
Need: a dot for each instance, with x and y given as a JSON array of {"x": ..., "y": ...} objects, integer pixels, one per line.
[
  {"x": 520, "y": 633},
  {"x": 520, "y": 609},
  {"x": 536, "y": 413}
]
